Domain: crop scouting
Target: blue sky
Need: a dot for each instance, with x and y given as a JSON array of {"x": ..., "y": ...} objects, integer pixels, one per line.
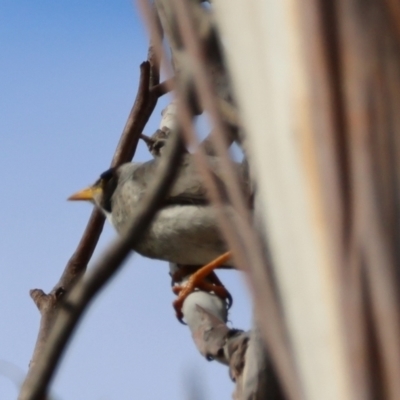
[{"x": 68, "y": 78}]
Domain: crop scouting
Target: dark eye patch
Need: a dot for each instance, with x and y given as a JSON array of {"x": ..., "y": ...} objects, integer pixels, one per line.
[
  {"x": 108, "y": 184},
  {"x": 107, "y": 175}
]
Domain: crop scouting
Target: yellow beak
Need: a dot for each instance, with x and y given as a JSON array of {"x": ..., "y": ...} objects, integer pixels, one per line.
[{"x": 85, "y": 194}]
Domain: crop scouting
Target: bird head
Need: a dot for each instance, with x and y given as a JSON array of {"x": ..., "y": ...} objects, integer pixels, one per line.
[{"x": 100, "y": 192}]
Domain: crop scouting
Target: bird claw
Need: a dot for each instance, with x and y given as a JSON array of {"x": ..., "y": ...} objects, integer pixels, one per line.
[
  {"x": 177, "y": 304},
  {"x": 204, "y": 279},
  {"x": 184, "y": 291}
]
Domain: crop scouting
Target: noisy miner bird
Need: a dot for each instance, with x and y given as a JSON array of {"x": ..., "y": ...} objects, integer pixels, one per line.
[{"x": 184, "y": 230}]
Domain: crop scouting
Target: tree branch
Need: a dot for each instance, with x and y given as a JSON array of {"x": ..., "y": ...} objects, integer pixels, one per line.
[{"x": 163, "y": 87}]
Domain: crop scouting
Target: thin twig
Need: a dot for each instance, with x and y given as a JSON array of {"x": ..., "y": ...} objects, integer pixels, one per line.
[
  {"x": 163, "y": 88},
  {"x": 144, "y": 105}
]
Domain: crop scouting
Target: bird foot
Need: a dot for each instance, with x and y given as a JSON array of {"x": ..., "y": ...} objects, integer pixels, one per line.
[
  {"x": 185, "y": 290},
  {"x": 203, "y": 279}
]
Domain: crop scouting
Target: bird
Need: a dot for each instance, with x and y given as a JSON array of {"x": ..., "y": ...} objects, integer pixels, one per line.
[{"x": 184, "y": 230}]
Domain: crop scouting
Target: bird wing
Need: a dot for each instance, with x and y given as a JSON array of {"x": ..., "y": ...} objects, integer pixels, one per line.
[{"x": 189, "y": 186}]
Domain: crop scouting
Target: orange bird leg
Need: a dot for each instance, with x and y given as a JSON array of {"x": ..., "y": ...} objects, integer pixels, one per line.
[{"x": 197, "y": 280}]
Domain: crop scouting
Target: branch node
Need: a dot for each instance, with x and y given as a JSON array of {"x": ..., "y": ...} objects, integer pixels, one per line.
[
  {"x": 59, "y": 292},
  {"x": 40, "y": 298}
]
